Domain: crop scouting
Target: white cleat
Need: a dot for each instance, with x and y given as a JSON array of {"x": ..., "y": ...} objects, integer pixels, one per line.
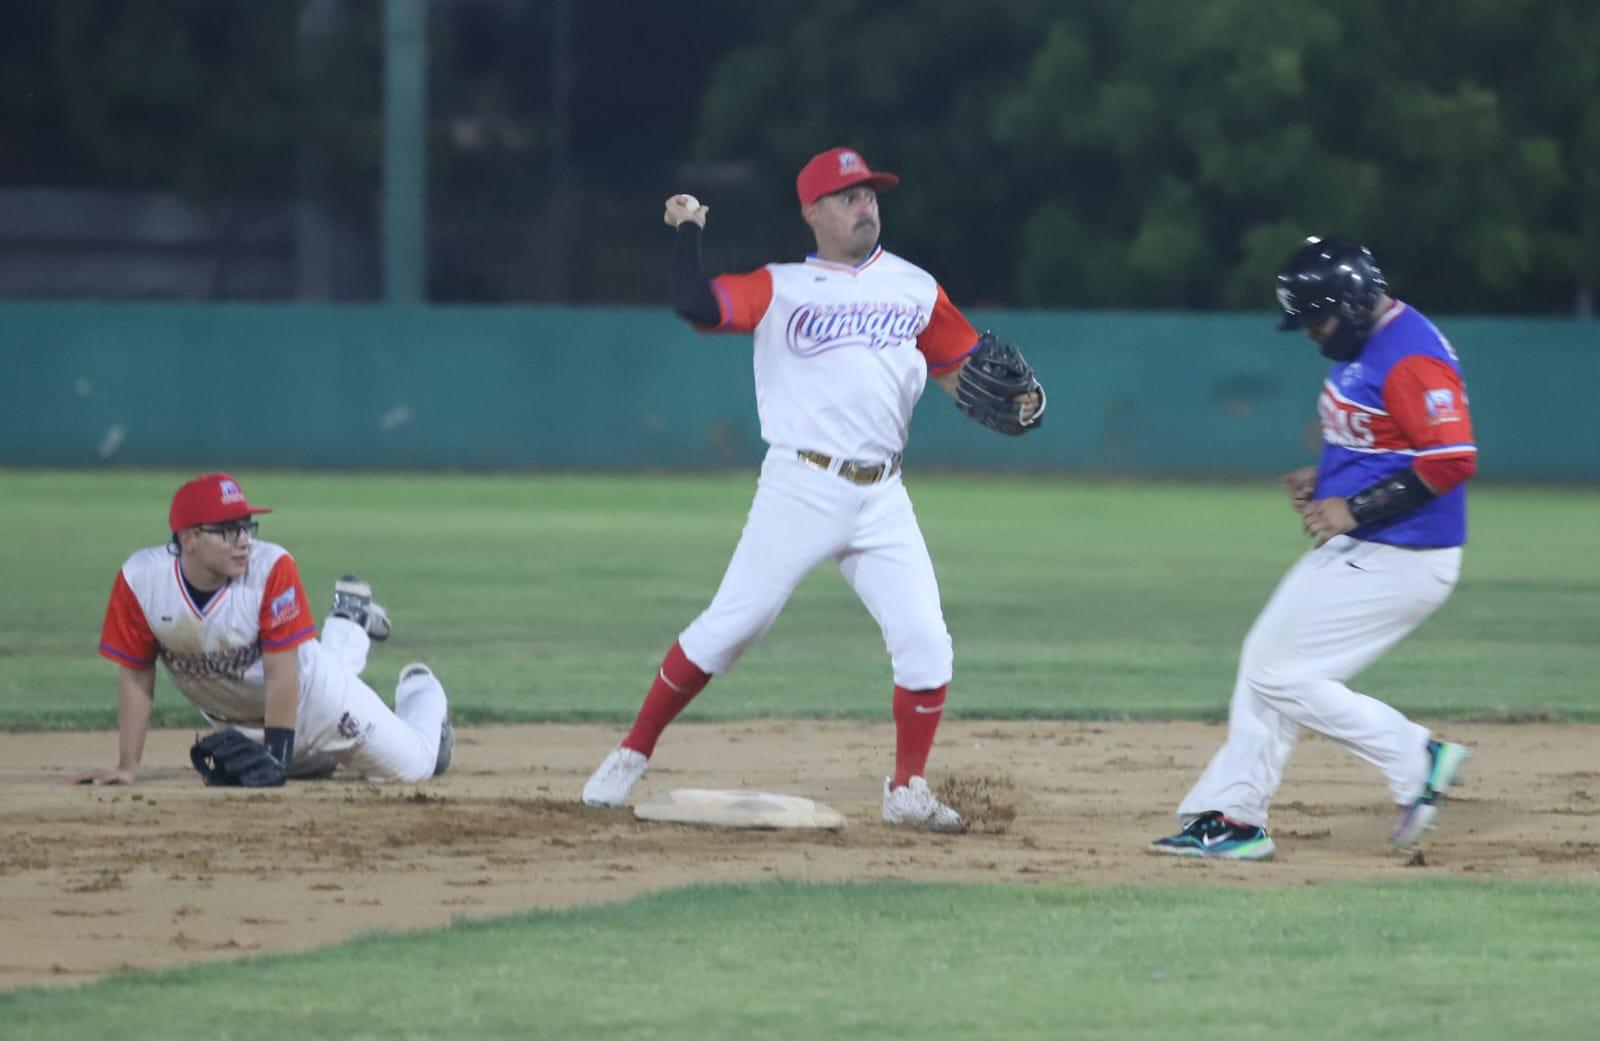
[
  {"x": 915, "y": 804},
  {"x": 615, "y": 777}
]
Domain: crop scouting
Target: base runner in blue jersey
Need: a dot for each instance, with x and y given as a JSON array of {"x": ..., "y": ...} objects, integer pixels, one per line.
[{"x": 1386, "y": 510}]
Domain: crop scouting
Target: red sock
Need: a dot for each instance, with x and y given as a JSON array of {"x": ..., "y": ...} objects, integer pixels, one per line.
[
  {"x": 677, "y": 682},
  {"x": 916, "y": 718}
]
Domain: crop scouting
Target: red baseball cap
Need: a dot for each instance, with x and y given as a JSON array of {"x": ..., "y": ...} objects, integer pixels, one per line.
[
  {"x": 834, "y": 171},
  {"x": 209, "y": 499}
]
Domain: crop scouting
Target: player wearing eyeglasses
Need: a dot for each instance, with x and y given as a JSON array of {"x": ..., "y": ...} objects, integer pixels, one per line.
[{"x": 229, "y": 617}]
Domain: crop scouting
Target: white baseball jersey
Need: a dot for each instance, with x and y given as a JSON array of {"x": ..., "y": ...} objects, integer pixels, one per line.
[
  {"x": 842, "y": 353},
  {"x": 213, "y": 654}
]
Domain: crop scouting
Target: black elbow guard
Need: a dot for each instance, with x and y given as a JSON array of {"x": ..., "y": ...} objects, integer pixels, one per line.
[{"x": 1390, "y": 497}]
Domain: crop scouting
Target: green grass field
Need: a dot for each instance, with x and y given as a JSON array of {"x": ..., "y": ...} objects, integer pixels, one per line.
[
  {"x": 552, "y": 598},
  {"x": 1428, "y": 960}
]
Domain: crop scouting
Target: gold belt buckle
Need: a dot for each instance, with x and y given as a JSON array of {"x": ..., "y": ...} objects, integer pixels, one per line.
[
  {"x": 816, "y": 459},
  {"x": 855, "y": 473}
]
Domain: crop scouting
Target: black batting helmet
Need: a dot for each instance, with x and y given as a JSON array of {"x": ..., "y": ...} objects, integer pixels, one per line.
[{"x": 1330, "y": 276}]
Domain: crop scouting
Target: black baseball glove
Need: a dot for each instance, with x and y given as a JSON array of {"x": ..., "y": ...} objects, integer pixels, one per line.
[
  {"x": 993, "y": 377},
  {"x": 227, "y": 757}
]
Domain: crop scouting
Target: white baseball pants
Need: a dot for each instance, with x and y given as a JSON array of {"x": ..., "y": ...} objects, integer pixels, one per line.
[
  {"x": 1338, "y": 610},
  {"x": 802, "y": 516},
  {"x": 343, "y": 721}
]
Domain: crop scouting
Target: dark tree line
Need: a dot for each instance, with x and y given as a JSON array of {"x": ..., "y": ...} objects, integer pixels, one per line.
[
  {"x": 1099, "y": 153},
  {"x": 1167, "y": 153}
]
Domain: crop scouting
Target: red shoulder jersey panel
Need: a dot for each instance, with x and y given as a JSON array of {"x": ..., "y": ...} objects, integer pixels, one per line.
[
  {"x": 125, "y": 636},
  {"x": 742, "y": 299},
  {"x": 1428, "y": 403},
  {"x": 286, "y": 619},
  {"x": 948, "y": 337}
]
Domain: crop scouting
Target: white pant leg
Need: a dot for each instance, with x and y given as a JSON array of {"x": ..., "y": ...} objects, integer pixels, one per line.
[
  {"x": 1245, "y": 772},
  {"x": 402, "y": 745},
  {"x": 342, "y": 716},
  {"x": 800, "y": 517},
  {"x": 324, "y": 665},
  {"x": 347, "y": 642},
  {"x": 888, "y": 566},
  {"x": 1339, "y": 609}
]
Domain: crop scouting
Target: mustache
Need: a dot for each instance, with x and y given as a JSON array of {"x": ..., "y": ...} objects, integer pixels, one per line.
[{"x": 866, "y": 222}]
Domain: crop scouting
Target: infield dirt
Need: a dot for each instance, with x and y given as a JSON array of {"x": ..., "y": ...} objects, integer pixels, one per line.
[{"x": 168, "y": 873}]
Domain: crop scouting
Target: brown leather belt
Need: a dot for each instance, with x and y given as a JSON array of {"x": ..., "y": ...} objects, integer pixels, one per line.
[{"x": 855, "y": 473}]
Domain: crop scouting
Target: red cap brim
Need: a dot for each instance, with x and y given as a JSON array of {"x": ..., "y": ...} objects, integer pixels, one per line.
[{"x": 876, "y": 181}]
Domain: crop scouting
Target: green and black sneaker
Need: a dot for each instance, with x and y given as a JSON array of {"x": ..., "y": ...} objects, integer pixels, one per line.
[
  {"x": 1445, "y": 760},
  {"x": 1217, "y": 837}
]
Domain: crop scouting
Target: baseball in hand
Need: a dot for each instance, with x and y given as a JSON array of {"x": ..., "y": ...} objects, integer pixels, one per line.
[{"x": 683, "y": 207}]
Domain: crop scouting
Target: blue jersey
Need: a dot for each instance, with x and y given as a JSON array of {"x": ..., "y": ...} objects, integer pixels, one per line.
[{"x": 1400, "y": 400}]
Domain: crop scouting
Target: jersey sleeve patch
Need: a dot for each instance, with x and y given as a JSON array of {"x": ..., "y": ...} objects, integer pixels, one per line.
[
  {"x": 1441, "y": 406},
  {"x": 286, "y": 618},
  {"x": 948, "y": 337},
  {"x": 742, "y": 300},
  {"x": 125, "y": 637},
  {"x": 1429, "y": 405}
]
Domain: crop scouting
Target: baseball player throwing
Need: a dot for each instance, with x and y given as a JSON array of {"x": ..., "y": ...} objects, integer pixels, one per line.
[
  {"x": 844, "y": 344},
  {"x": 1387, "y": 510},
  {"x": 227, "y": 614}
]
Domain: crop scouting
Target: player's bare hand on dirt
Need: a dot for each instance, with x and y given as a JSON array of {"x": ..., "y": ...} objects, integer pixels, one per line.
[
  {"x": 102, "y": 776},
  {"x": 1300, "y": 484},
  {"x": 1325, "y": 518},
  {"x": 685, "y": 207}
]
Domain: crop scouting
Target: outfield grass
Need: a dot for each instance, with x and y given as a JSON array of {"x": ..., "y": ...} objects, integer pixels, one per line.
[
  {"x": 553, "y": 597},
  {"x": 1429, "y": 960}
]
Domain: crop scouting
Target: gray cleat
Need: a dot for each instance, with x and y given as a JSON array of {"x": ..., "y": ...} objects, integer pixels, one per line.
[
  {"x": 447, "y": 747},
  {"x": 447, "y": 730},
  {"x": 352, "y": 601}
]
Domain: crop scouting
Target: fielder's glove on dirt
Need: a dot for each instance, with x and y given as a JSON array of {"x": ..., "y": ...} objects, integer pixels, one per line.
[{"x": 227, "y": 757}]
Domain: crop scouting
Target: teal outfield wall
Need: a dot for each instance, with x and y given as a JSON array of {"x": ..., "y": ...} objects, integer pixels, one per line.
[{"x": 541, "y": 388}]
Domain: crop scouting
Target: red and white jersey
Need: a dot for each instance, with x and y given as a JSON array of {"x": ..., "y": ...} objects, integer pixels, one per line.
[
  {"x": 213, "y": 655},
  {"x": 843, "y": 353}
]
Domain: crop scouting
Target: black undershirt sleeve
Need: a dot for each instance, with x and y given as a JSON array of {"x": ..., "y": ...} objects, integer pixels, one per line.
[{"x": 691, "y": 290}]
